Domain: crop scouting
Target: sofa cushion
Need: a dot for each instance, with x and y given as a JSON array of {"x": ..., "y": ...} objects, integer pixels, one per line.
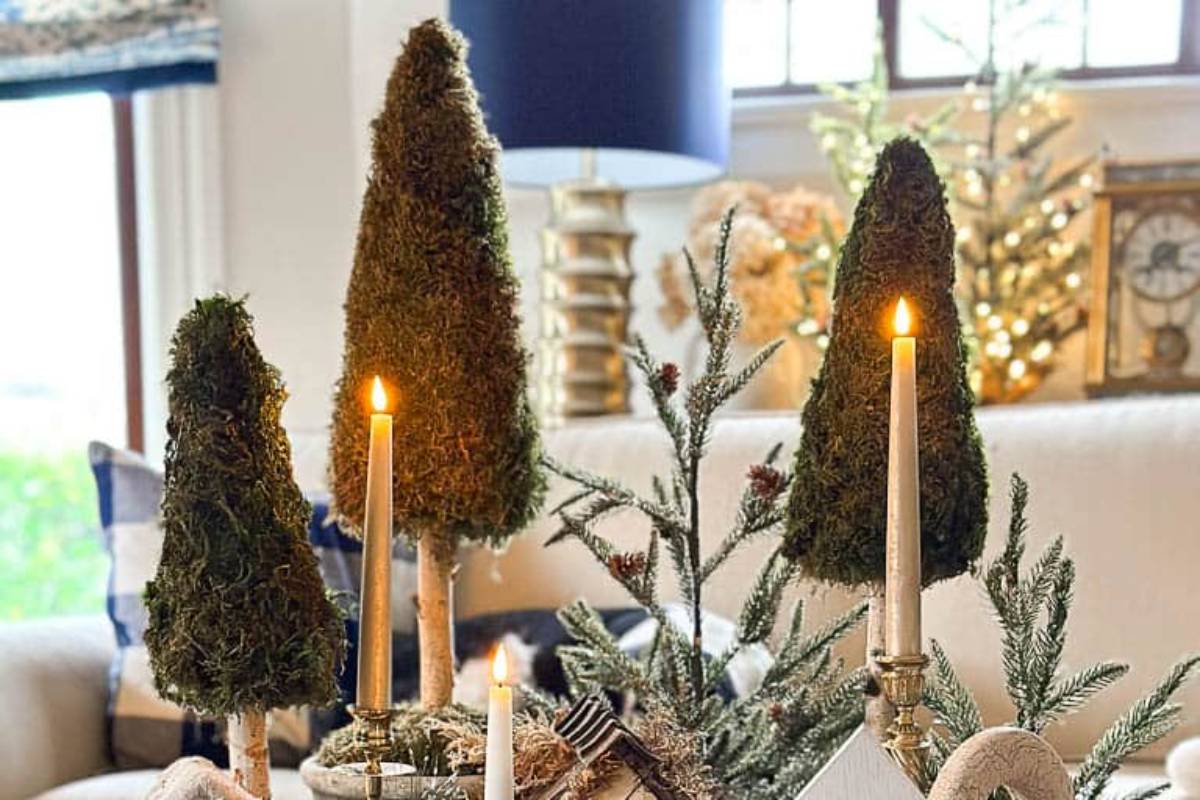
[{"x": 144, "y": 729}]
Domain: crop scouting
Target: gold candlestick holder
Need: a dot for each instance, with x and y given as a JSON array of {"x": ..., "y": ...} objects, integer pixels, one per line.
[
  {"x": 373, "y": 732},
  {"x": 903, "y": 679}
]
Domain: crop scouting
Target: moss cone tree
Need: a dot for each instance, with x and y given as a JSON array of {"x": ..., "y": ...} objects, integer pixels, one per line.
[
  {"x": 900, "y": 244},
  {"x": 239, "y": 618},
  {"x": 431, "y": 307}
]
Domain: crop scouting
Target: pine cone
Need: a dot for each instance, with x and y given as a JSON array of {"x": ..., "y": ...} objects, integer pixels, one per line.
[
  {"x": 668, "y": 377},
  {"x": 766, "y": 481},
  {"x": 627, "y": 565}
]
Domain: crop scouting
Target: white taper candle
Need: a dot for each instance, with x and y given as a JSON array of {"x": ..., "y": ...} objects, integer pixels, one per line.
[
  {"x": 903, "y": 594},
  {"x": 498, "y": 766}
]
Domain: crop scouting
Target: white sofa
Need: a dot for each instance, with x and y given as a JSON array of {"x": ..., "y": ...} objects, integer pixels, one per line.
[{"x": 1119, "y": 479}]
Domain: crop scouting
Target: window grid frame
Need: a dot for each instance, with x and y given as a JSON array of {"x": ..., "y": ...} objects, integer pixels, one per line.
[{"x": 888, "y": 11}]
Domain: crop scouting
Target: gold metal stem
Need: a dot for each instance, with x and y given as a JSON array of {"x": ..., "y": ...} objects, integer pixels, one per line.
[
  {"x": 903, "y": 679},
  {"x": 373, "y": 731}
]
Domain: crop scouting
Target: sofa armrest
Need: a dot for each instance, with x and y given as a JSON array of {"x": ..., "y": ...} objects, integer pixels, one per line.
[{"x": 53, "y": 696}]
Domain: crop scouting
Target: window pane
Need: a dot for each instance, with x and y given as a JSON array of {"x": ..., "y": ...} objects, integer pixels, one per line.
[
  {"x": 832, "y": 41},
  {"x": 61, "y": 380},
  {"x": 940, "y": 38},
  {"x": 1123, "y": 33},
  {"x": 755, "y": 42},
  {"x": 925, "y": 29},
  {"x": 1046, "y": 32}
]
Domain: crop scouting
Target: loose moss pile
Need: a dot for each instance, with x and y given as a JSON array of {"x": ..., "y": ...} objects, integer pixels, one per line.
[
  {"x": 239, "y": 619},
  {"x": 901, "y": 243},
  {"x": 431, "y": 308},
  {"x": 422, "y": 738}
]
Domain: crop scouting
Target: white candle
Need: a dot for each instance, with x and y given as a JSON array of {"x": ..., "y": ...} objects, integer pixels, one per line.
[
  {"x": 903, "y": 601},
  {"x": 375, "y": 621},
  {"x": 498, "y": 768}
]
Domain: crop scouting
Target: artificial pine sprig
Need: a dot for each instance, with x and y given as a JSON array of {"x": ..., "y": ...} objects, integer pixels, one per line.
[
  {"x": 1033, "y": 608},
  {"x": 765, "y": 745}
]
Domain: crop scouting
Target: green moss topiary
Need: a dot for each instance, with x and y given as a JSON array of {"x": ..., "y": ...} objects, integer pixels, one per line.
[
  {"x": 901, "y": 243},
  {"x": 431, "y": 307},
  {"x": 239, "y": 618}
]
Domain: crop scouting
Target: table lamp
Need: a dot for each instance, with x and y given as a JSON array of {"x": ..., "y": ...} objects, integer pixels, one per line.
[{"x": 590, "y": 99}]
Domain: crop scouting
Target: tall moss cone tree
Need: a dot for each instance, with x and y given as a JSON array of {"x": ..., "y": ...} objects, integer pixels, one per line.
[
  {"x": 239, "y": 618},
  {"x": 431, "y": 307},
  {"x": 900, "y": 244}
]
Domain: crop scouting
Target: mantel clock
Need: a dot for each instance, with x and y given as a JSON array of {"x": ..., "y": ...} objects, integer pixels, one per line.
[{"x": 1144, "y": 328}]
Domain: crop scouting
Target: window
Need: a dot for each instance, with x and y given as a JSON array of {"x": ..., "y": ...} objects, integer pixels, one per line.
[
  {"x": 781, "y": 46},
  {"x": 63, "y": 355}
]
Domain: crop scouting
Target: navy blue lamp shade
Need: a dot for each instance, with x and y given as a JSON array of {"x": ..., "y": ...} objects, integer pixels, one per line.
[{"x": 640, "y": 81}]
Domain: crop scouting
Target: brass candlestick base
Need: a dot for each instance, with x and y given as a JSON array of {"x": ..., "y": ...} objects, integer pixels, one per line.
[
  {"x": 903, "y": 679},
  {"x": 373, "y": 731}
]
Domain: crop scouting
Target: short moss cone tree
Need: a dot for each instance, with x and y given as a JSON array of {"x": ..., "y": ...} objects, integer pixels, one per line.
[
  {"x": 900, "y": 244},
  {"x": 431, "y": 307},
  {"x": 239, "y": 619}
]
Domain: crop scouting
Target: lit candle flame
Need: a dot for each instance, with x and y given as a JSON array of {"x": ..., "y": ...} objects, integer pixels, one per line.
[
  {"x": 903, "y": 321},
  {"x": 378, "y": 395},
  {"x": 500, "y": 666}
]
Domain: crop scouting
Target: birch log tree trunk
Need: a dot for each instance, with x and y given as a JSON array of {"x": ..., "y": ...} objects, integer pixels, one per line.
[
  {"x": 248, "y": 756},
  {"x": 435, "y": 623},
  {"x": 879, "y": 711}
]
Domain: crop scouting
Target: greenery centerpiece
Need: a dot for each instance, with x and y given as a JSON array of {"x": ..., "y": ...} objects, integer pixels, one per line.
[
  {"x": 239, "y": 618},
  {"x": 768, "y": 743}
]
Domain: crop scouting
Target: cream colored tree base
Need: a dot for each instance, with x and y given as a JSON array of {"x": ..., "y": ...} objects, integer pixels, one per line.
[
  {"x": 879, "y": 712},
  {"x": 196, "y": 778},
  {"x": 1010, "y": 757},
  {"x": 434, "y": 623},
  {"x": 248, "y": 756}
]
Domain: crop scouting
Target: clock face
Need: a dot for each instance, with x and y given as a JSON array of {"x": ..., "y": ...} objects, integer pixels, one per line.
[{"x": 1161, "y": 255}]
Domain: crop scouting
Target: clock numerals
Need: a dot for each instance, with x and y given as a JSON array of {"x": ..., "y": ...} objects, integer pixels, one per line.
[{"x": 1162, "y": 256}]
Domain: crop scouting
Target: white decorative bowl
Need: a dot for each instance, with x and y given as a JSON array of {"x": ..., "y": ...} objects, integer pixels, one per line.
[{"x": 400, "y": 781}]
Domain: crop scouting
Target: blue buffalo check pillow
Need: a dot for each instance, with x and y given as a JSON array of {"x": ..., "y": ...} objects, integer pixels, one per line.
[{"x": 144, "y": 729}]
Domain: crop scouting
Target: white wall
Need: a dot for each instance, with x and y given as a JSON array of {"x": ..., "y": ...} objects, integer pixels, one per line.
[
  {"x": 300, "y": 81},
  {"x": 289, "y": 197}
]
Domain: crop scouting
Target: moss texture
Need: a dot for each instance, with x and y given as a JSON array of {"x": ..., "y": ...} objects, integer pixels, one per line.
[
  {"x": 239, "y": 618},
  {"x": 420, "y": 737},
  {"x": 901, "y": 243},
  {"x": 431, "y": 307}
]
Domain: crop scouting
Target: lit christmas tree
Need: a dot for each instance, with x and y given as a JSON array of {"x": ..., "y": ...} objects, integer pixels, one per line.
[{"x": 1020, "y": 269}]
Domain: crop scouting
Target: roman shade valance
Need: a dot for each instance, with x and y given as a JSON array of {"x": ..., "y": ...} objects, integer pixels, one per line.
[{"x": 118, "y": 46}]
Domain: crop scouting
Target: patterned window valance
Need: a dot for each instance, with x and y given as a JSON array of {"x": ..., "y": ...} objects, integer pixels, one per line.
[{"x": 52, "y": 46}]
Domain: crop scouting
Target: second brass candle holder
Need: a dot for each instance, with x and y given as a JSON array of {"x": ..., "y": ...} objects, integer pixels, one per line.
[{"x": 903, "y": 679}]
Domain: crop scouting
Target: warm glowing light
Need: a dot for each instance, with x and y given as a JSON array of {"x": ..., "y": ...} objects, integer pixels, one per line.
[
  {"x": 378, "y": 395},
  {"x": 903, "y": 322},
  {"x": 500, "y": 665}
]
